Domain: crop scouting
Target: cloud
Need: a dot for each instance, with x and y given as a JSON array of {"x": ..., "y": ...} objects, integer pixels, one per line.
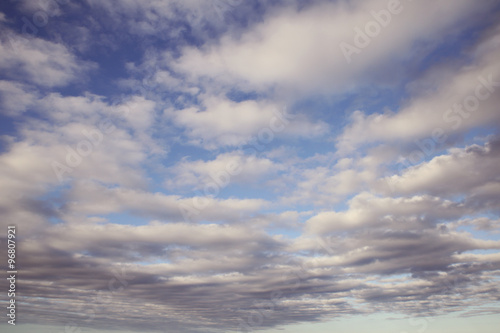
[
  {"x": 40, "y": 62},
  {"x": 463, "y": 171},
  {"x": 299, "y": 49},
  {"x": 367, "y": 210},
  {"x": 88, "y": 198},
  {"x": 173, "y": 242},
  {"x": 15, "y": 98},
  {"x": 225, "y": 169},
  {"x": 481, "y": 223},
  {"x": 67, "y": 139},
  {"x": 463, "y": 97},
  {"x": 174, "y": 18},
  {"x": 334, "y": 180},
  {"x": 231, "y": 272},
  {"x": 220, "y": 122}
]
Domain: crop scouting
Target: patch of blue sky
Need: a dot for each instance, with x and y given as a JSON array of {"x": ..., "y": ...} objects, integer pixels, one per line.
[
  {"x": 287, "y": 232},
  {"x": 376, "y": 99},
  {"x": 246, "y": 191},
  {"x": 458, "y": 197},
  {"x": 310, "y": 147},
  {"x": 55, "y": 220},
  {"x": 480, "y": 134},
  {"x": 491, "y": 251},
  {"x": 418, "y": 152},
  {"x": 126, "y": 218},
  {"x": 153, "y": 261},
  {"x": 342, "y": 205},
  {"x": 481, "y": 234},
  {"x": 53, "y": 198},
  {"x": 454, "y": 47},
  {"x": 391, "y": 279},
  {"x": 179, "y": 151},
  {"x": 111, "y": 68},
  {"x": 7, "y": 128},
  {"x": 334, "y": 110},
  {"x": 239, "y": 96}
]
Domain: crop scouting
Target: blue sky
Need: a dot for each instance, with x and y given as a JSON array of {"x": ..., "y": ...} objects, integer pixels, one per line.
[{"x": 263, "y": 165}]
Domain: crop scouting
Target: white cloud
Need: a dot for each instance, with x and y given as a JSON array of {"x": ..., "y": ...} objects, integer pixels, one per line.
[
  {"x": 87, "y": 198},
  {"x": 459, "y": 100},
  {"x": 15, "y": 97},
  {"x": 222, "y": 122},
  {"x": 41, "y": 62},
  {"x": 323, "y": 186},
  {"x": 84, "y": 139},
  {"x": 225, "y": 169},
  {"x": 300, "y": 49},
  {"x": 367, "y": 210},
  {"x": 462, "y": 171}
]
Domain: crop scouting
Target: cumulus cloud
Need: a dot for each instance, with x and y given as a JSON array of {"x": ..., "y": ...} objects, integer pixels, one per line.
[
  {"x": 471, "y": 170},
  {"x": 301, "y": 48},
  {"x": 223, "y": 122},
  {"x": 81, "y": 138},
  {"x": 368, "y": 210},
  {"x": 225, "y": 169}
]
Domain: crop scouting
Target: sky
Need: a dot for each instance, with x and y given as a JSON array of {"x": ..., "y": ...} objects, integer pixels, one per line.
[{"x": 263, "y": 165}]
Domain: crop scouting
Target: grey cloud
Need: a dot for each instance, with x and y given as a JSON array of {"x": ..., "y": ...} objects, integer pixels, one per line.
[{"x": 471, "y": 170}]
